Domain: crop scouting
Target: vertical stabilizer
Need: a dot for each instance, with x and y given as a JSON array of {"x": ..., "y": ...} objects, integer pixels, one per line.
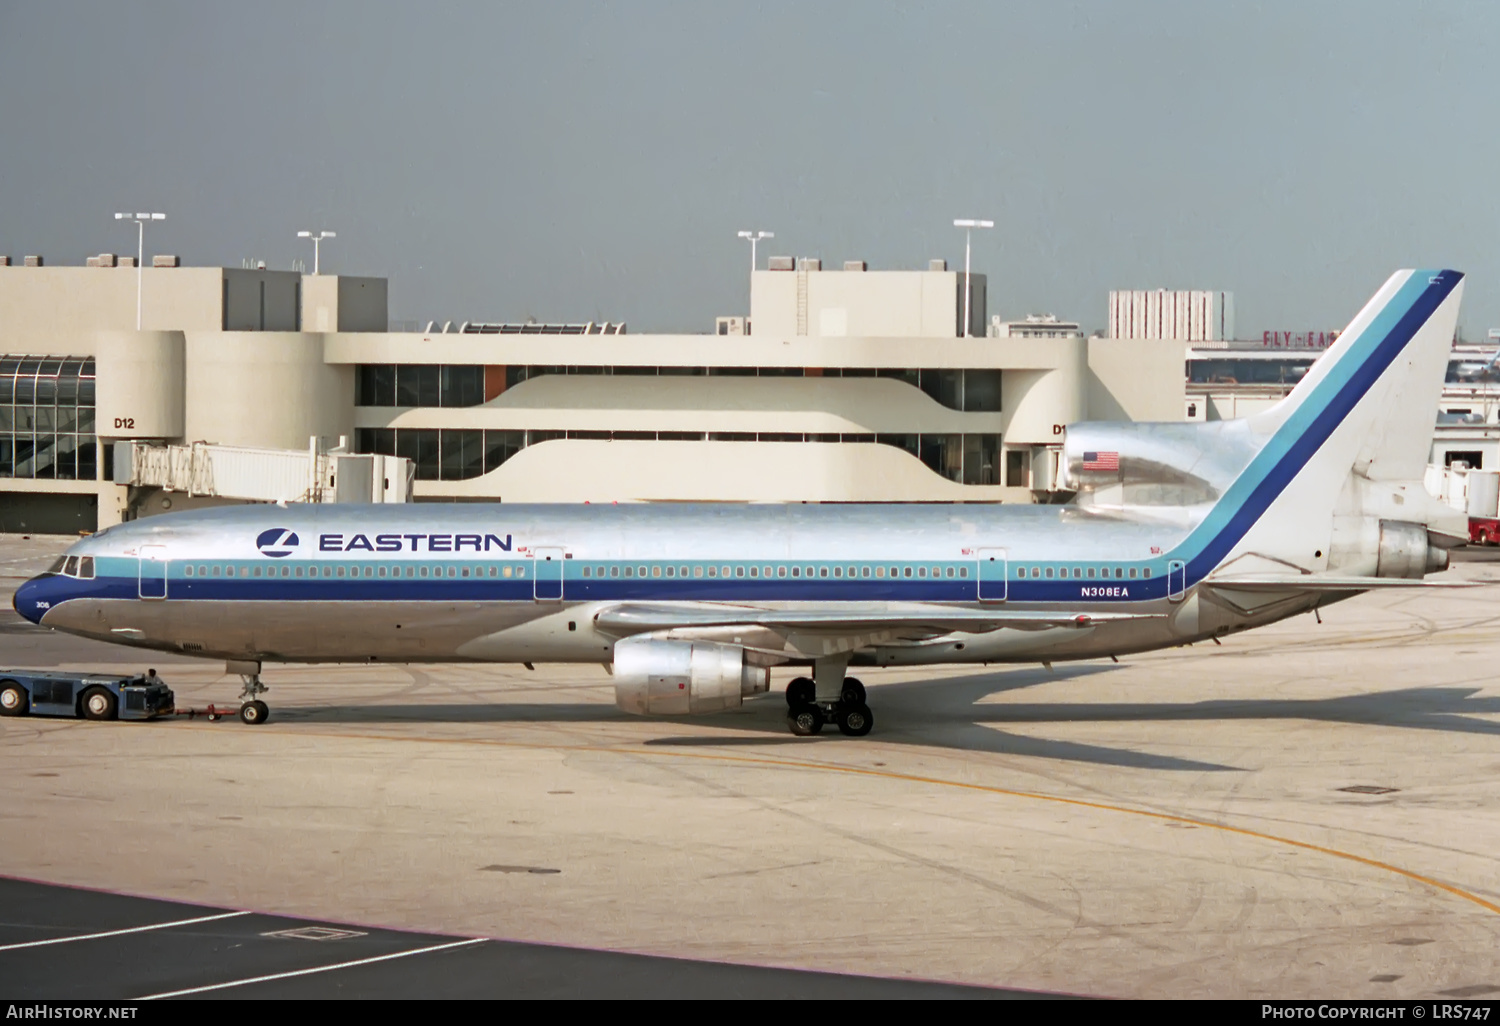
[{"x": 1367, "y": 408}]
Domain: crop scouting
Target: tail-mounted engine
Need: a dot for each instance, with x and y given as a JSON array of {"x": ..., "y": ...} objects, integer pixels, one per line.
[
  {"x": 674, "y": 678},
  {"x": 1407, "y": 551}
]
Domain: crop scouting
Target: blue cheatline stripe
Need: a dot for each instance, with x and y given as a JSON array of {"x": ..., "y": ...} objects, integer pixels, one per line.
[{"x": 1314, "y": 421}]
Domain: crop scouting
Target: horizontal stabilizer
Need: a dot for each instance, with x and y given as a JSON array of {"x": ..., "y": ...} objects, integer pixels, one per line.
[
  {"x": 1326, "y": 582},
  {"x": 635, "y": 618}
]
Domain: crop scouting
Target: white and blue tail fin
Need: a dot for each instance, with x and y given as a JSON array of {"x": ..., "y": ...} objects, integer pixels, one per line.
[{"x": 1366, "y": 408}]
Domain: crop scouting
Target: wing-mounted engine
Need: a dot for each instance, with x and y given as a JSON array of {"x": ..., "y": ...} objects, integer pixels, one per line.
[
  {"x": 1125, "y": 465},
  {"x": 673, "y": 678}
]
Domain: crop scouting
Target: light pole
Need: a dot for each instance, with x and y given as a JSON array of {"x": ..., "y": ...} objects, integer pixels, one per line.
[
  {"x": 968, "y": 225},
  {"x": 315, "y": 240},
  {"x": 140, "y": 253},
  {"x": 755, "y": 237}
]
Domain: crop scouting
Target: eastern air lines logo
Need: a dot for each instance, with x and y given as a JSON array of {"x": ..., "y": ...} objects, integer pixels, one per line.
[{"x": 277, "y": 542}]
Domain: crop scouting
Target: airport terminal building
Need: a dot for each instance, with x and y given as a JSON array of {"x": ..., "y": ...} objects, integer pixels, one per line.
[{"x": 848, "y": 385}]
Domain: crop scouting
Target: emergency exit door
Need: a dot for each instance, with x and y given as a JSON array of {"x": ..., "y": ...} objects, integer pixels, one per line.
[
  {"x": 993, "y": 572},
  {"x": 547, "y": 575}
]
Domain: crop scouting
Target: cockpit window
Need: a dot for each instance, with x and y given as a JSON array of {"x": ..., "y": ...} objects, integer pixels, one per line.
[
  {"x": 70, "y": 567},
  {"x": 57, "y": 568},
  {"x": 86, "y": 568}
]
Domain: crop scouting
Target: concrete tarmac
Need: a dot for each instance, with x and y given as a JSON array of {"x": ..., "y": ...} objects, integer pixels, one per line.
[{"x": 1309, "y": 810}]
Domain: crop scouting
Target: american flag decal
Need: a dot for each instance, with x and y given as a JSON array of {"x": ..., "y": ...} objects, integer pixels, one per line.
[{"x": 1101, "y": 461}]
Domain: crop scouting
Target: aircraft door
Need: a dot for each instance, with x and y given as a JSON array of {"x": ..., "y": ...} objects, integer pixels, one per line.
[
  {"x": 547, "y": 575},
  {"x": 152, "y": 578},
  {"x": 992, "y": 572},
  {"x": 1176, "y": 579}
]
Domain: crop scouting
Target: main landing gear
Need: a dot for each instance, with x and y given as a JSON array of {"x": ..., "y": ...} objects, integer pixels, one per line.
[{"x": 806, "y": 713}]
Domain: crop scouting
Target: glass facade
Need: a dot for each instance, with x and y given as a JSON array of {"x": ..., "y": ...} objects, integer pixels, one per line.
[
  {"x": 47, "y": 418},
  {"x": 447, "y": 385},
  {"x": 442, "y": 454}
]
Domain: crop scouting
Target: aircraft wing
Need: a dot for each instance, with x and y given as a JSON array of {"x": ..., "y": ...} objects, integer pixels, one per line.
[{"x": 631, "y": 618}]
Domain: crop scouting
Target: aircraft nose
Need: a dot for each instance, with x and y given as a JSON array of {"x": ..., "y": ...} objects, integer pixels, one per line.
[{"x": 28, "y": 600}]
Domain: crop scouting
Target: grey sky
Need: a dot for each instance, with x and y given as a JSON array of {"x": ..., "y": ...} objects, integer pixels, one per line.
[{"x": 573, "y": 160}]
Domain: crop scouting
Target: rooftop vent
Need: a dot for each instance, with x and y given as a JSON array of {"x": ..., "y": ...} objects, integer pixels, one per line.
[
  {"x": 126, "y": 261},
  {"x": 854, "y": 265},
  {"x": 4, "y": 261},
  {"x": 33, "y": 261},
  {"x": 106, "y": 260},
  {"x": 809, "y": 264},
  {"x": 779, "y": 264},
  {"x": 165, "y": 260},
  {"x": 937, "y": 265}
]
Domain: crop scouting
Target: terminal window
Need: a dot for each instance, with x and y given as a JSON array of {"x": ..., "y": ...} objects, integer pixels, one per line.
[{"x": 47, "y": 418}]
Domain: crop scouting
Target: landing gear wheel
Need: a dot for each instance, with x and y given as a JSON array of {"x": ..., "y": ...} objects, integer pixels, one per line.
[
  {"x": 853, "y": 693},
  {"x": 804, "y": 720},
  {"x": 13, "y": 699},
  {"x": 855, "y": 720},
  {"x": 801, "y": 691},
  {"x": 254, "y": 712},
  {"x": 98, "y": 704}
]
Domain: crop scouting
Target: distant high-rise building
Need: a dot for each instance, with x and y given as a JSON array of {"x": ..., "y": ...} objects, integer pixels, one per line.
[{"x": 1189, "y": 316}]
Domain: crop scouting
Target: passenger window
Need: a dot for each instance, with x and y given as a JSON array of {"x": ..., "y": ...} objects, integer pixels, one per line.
[
  {"x": 1132, "y": 573},
  {"x": 586, "y": 571},
  {"x": 505, "y": 571},
  {"x": 257, "y": 571},
  {"x": 1119, "y": 572},
  {"x": 937, "y": 571},
  {"x": 895, "y": 572},
  {"x": 739, "y": 571},
  {"x": 713, "y": 571},
  {"x": 1062, "y": 572},
  {"x": 614, "y": 571},
  {"x": 851, "y": 571},
  {"x": 656, "y": 571},
  {"x": 1021, "y": 572},
  {"x": 796, "y": 571},
  {"x": 640, "y": 571},
  {"x": 838, "y": 571},
  {"x": 682, "y": 571},
  {"x": 229, "y": 570},
  {"x": 382, "y": 571},
  {"x": 767, "y": 571},
  {"x": 1091, "y": 573},
  {"x": 1077, "y": 573},
  {"x": 189, "y": 569},
  {"x": 950, "y": 571},
  {"x": 809, "y": 571},
  {"x": 466, "y": 571},
  {"x": 1146, "y": 572},
  {"x": 908, "y": 571},
  {"x": 880, "y": 571},
  {"x": 755, "y": 571},
  {"x": 521, "y": 571},
  {"x": 630, "y": 571},
  {"x": 423, "y": 571},
  {"x": 864, "y": 572},
  {"x": 822, "y": 571},
  {"x": 1048, "y": 572},
  {"x": 697, "y": 571},
  {"x": 921, "y": 572},
  {"x": 781, "y": 571},
  {"x": 723, "y": 571},
  {"x": 963, "y": 571},
  {"x": 216, "y": 570}
]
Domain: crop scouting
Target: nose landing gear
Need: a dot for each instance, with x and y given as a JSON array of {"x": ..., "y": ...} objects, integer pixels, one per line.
[
  {"x": 252, "y": 710},
  {"x": 810, "y": 703}
]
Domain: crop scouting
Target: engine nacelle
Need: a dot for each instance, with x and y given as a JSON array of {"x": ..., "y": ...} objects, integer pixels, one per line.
[
  {"x": 674, "y": 678},
  {"x": 1405, "y": 551}
]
